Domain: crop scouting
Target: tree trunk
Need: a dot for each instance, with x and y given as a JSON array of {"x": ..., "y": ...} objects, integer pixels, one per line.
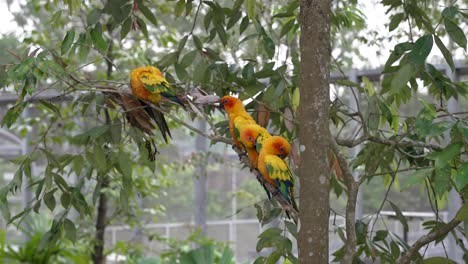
[
  {"x": 98, "y": 254},
  {"x": 314, "y": 132}
]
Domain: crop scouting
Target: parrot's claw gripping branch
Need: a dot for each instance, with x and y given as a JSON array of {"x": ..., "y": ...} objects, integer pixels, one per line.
[{"x": 271, "y": 189}]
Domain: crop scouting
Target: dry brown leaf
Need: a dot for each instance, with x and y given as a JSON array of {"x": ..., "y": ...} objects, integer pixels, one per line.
[
  {"x": 288, "y": 119},
  {"x": 263, "y": 115},
  {"x": 335, "y": 165}
]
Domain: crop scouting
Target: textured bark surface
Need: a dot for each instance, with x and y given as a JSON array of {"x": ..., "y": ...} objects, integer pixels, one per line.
[
  {"x": 314, "y": 131},
  {"x": 98, "y": 254}
]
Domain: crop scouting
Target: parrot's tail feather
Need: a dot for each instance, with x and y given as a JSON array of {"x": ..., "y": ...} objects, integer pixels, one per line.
[
  {"x": 162, "y": 124},
  {"x": 158, "y": 117},
  {"x": 174, "y": 99},
  {"x": 267, "y": 192}
]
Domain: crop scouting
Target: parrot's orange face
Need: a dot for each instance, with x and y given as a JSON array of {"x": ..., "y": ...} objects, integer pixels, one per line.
[
  {"x": 230, "y": 103},
  {"x": 248, "y": 137},
  {"x": 278, "y": 146}
]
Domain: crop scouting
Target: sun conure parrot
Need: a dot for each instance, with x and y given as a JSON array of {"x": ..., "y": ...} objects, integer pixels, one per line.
[
  {"x": 237, "y": 115},
  {"x": 274, "y": 168},
  {"x": 149, "y": 85},
  {"x": 252, "y": 137}
]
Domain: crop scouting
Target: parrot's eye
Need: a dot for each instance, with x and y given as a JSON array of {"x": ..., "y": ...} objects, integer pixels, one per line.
[
  {"x": 250, "y": 138},
  {"x": 281, "y": 149},
  {"x": 225, "y": 101}
]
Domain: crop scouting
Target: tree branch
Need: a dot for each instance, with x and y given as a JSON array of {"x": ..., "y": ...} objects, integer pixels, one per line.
[
  {"x": 350, "y": 143},
  {"x": 413, "y": 250},
  {"x": 353, "y": 189}
]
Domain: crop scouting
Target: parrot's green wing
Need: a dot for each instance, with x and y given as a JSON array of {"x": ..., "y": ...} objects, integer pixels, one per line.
[
  {"x": 154, "y": 83},
  {"x": 279, "y": 171}
]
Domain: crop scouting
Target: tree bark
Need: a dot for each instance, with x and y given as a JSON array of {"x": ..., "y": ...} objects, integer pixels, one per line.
[
  {"x": 98, "y": 254},
  {"x": 314, "y": 132}
]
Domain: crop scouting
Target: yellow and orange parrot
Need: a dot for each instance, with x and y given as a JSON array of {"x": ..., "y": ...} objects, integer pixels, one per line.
[
  {"x": 252, "y": 137},
  {"x": 237, "y": 117},
  {"x": 149, "y": 85},
  {"x": 274, "y": 168}
]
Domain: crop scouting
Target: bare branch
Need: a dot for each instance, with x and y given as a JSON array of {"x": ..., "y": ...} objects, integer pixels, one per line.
[
  {"x": 413, "y": 250},
  {"x": 364, "y": 177},
  {"x": 353, "y": 188},
  {"x": 385, "y": 141}
]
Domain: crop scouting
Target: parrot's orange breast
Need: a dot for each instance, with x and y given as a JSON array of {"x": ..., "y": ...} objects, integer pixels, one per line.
[{"x": 138, "y": 89}]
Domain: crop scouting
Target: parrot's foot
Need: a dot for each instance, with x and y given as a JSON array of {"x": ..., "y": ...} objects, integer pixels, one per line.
[{"x": 242, "y": 155}]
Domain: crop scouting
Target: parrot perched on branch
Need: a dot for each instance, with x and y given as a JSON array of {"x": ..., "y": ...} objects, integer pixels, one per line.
[
  {"x": 252, "y": 137},
  {"x": 237, "y": 117},
  {"x": 149, "y": 85},
  {"x": 274, "y": 168}
]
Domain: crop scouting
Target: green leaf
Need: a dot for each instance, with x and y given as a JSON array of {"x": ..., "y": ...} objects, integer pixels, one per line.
[
  {"x": 248, "y": 72},
  {"x": 60, "y": 181},
  {"x": 4, "y": 204},
  {"x": 421, "y": 49},
  {"x": 233, "y": 20},
  {"x": 442, "y": 181},
  {"x": 450, "y": 12},
  {"x": 227, "y": 256},
  {"x": 287, "y": 27},
  {"x": 442, "y": 158},
  {"x": 243, "y": 25},
  {"x": 67, "y": 41},
  {"x": 83, "y": 44},
  {"x": 417, "y": 177},
  {"x": 125, "y": 164},
  {"x": 462, "y": 213},
  {"x": 127, "y": 24},
  {"x": 93, "y": 17},
  {"x": 380, "y": 235},
  {"x": 292, "y": 228},
  {"x": 70, "y": 229},
  {"x": 269, "y": 46},
  {"x": 179, "y": 8},
  {"x": 445, "y": 52},
  {"x": 203, "y": 254},
  {"x": 51, "y": 106},
  {"x": 13, "y": 114},
  {"x": 182, "y": 43},
  {"x": 455, "y": 33},
  {"x": 142, "y": 26},
  {"x": 221, "y": 34},
  {"x": 402, "y": 77},
  {"x": 148, "y": 14},
  {"x": 197, "y": 42},
  {"x": 273, "y": 257},
  {"x": 168, "y": 59},
  {"x": 462, "y": 176},
  {"x": 182, "y": 74},
  {"x": 99, "y": 158},
  {"x": 395, "y": 249},
  {"x": 188, "y": 58},
  {"x": 65, "y": 200},
  {"x": 52, "y": 66},
  {"x": 438, "y": 260},
  {"x": 251, "y": 7},
  {"x": 395, "y": 20},
  {"x": 98, "y": 40},
  {"x": 400, "y": 216},
  {"x": 49, "y": 200}
]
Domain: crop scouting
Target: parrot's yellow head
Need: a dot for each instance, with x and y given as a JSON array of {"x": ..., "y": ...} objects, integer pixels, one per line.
[
  {"x": 277, "y": 145},
  {"x": 231, "y": 104},
  {"x": 145, "y": 70},
  {"x": 249, "y": 134}
]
